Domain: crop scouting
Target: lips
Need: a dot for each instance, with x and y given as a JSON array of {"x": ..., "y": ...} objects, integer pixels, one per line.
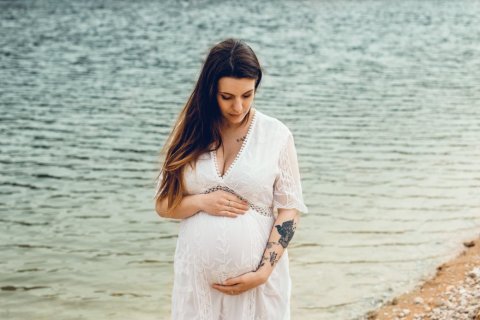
[{"x": 235, "y": 115}]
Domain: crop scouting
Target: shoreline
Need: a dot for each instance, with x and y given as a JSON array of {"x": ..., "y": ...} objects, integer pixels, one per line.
[{"x": 452, "y": 293}]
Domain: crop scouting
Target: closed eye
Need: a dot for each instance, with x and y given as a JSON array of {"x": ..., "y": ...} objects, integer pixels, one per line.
[{"x": 228, "y": 98}]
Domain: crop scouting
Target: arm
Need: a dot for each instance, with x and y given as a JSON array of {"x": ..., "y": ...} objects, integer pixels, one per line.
[
  {"x": 189, "y": 206},
  {"x": 281, "y": 234},
  {"x": 218, "y": 203}
]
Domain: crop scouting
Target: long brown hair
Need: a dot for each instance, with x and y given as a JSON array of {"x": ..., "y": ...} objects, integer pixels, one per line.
[{"x": 198, "y": 126}]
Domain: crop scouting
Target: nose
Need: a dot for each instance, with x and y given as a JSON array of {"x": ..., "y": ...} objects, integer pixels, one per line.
[{"x": 237, "y": 105}]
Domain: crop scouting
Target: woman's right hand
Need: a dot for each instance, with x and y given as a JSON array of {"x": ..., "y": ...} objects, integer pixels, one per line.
[{"x": 223, "y": 203}]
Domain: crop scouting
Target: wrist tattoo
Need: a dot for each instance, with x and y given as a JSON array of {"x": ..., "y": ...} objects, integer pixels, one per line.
[
  {"x": 273, "y": 258},
  {"x": 286, "y": 231}
]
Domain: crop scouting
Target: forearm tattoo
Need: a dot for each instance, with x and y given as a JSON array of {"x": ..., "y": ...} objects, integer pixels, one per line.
[
  {"x": 273, "y": 258},
  {"x": 271, "y": 244},
  {"x": 286, "y": 231}
]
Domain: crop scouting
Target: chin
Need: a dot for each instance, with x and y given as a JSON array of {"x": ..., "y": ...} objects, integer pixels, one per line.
[
  {"x": 235, "y": 119},
  {"x": 238, "y": 118}
]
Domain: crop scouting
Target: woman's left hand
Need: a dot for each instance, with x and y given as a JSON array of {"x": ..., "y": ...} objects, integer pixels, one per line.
[{"x": 240, "y": 284}]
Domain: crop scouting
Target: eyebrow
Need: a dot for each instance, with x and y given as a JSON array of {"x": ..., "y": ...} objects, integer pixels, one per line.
[{"x": 233, "y": 94}]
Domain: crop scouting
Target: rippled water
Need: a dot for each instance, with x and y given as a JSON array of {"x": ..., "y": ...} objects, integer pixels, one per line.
[{"x": 382, "y": 97}]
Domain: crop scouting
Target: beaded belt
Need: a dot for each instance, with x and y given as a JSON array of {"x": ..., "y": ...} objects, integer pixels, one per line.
[{"x": 265, "y": 211}]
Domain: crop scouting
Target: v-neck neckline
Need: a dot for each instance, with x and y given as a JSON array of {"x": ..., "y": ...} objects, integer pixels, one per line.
[{"x": 239, "y": 153}]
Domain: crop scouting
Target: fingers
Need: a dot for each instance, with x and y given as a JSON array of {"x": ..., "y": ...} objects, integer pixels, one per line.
[
  {"x": 235, "y": 210},
  {"x": 231, "y": 212},
  {"x": 236, "y": 203},
  {"x": 239, "y": 205},
  {"x": 228, "y": 214},
  {"x": 229, "y": 205},
  {"x": 232, "y": 209},
  {"x": 235, "y": 200},
  {"x": 231, "y": 282},
  {"x": 230, "y": 290}
]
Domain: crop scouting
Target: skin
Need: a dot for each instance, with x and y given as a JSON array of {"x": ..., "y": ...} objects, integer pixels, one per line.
[{"x": 235, "y": 97}]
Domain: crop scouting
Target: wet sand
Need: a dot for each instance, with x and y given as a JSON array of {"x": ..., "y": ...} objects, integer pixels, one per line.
[{"x": 453, "y": 292}]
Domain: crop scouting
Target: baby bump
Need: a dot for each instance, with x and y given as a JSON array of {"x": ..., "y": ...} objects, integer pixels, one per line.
[{"x": 225, "y": 247}]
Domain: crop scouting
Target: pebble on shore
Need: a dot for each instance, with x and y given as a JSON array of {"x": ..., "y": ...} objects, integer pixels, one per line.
[{"x": 453, "y": 293}]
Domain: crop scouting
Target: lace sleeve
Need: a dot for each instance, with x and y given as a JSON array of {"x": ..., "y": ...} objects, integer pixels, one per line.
[{"x": 287, "y": 192}]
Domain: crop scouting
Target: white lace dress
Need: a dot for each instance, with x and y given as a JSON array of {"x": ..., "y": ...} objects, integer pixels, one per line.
[{"x": 211, "y": 249}]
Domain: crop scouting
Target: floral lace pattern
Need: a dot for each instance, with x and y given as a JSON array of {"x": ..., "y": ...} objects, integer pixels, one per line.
[{"x": 287, "y": 188}]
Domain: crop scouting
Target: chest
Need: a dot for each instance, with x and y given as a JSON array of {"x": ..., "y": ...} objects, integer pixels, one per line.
[
  {"x": 249, "y": 166},
  {"x": 253, "y": 171},
  {"x": 228, "y": 152}
]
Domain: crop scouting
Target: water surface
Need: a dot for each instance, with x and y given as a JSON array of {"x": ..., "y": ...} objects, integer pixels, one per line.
[{"x": 382, "y": 99}]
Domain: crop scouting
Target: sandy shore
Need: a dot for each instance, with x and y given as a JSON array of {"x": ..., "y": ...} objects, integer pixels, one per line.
[{"x": 452, "y": 294}]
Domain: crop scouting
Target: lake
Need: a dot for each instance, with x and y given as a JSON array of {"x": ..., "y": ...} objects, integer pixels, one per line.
[{"x": 382, "y": 98}]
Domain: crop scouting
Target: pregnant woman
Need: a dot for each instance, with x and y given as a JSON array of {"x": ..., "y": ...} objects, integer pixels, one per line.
[{"x": 230, "y": 174}]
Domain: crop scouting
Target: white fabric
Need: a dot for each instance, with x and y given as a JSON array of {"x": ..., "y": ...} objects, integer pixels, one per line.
[{"x": 212, "y": 249}]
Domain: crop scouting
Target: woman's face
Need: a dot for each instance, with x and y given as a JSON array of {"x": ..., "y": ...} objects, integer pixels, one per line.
[{"x": 235, "y": 97}]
